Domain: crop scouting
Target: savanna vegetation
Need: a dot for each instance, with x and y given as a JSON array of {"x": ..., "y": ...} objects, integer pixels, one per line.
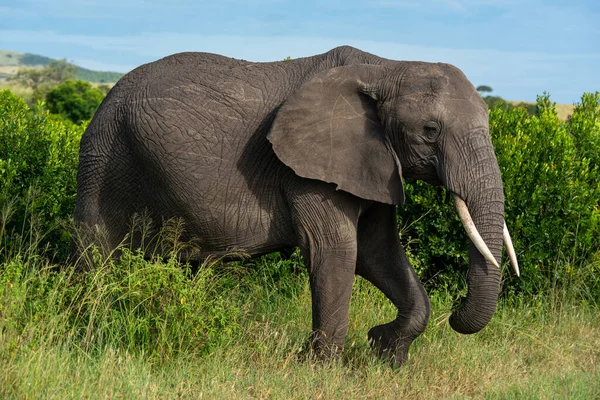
[
  {"x": 60, "y": 84},
  {"x": 563, "y": 111},
  {"x": 131, "y": 327},
  {"x": 12, "y": 60}
]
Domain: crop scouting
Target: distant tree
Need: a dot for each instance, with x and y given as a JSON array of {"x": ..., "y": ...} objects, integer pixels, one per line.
[
  {"x": 288, "y": 58},
  {"x": 42, "y": 80},
  {"x": 60, "y": 71},
  {"x": 105, "y": 88},
  {"x": 532, "y": 109},
  {"x": 493, "y": 101},
  {"x": 34, "y": 59},
  {"x": 74, "y": 100},
  {"x": 484, "y": 89},
  {"x": 30, "y": 77},
  {"x": 57, "y": 71}
]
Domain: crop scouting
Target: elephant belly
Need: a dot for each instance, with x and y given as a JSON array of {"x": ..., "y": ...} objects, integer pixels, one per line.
[
  {"x": 238, "y": 222},
  {"x": 249, "y": 234},
  {"x": 226, "y": 212}
]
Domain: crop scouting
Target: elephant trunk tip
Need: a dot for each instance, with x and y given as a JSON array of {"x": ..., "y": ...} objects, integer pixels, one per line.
[{"x": 468, "y": 325}]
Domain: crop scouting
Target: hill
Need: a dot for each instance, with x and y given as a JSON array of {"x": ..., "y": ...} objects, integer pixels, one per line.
[{"x": 12, "y": 61}]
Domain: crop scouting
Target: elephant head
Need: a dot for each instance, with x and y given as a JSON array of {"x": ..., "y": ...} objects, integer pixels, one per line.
[{"x": 363, "y": 127}]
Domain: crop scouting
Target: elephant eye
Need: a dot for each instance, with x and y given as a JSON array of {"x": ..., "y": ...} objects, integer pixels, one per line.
[{"x": 431, "y": 129}]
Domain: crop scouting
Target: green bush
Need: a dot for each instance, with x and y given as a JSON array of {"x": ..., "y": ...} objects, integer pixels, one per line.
[
  {"x": 432, "y": 235},
  {"x": 74, "y": 100},
  {"x": 552, "y": 186},
  {"x": 38, "y": 167},
  {"x": 584, "y": 125}
]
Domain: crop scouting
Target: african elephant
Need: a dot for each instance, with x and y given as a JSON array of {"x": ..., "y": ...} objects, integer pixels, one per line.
[{"x": 310, "y": 153}]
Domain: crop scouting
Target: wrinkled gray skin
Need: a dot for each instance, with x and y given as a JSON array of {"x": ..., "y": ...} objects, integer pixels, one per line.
[{"x": 310, "y": 153}]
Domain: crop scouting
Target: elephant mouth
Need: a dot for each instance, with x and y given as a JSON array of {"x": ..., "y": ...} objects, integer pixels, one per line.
[
  {"x": 424, "y": 171},
  {"x": 478, "y": 242}
]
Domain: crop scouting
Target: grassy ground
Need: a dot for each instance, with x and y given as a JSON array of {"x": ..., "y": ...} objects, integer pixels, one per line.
[
  {"x": 238, "y": 332},
  {"x": 562, "y": 110},
  {"x": 22, "y": 91}
]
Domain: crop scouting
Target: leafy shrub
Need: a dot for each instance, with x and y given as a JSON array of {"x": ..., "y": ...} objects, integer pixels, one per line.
[
  {"x": 38, "y": 166},
  {"x": 584, "y": 125},
  {"x": 432, "y": 235},
  {"x": 552, "y": 186},
  {"x": 74, "y": 100}
]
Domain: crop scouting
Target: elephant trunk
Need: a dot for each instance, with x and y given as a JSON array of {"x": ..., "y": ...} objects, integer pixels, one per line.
[{"x": 484, "y": 198}]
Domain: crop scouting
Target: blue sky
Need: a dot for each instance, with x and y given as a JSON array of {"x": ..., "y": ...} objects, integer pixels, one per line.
[{"x": 519, "y": 48}]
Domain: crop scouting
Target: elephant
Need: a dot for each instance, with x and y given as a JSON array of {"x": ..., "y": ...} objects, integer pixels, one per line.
[{"x": 307, "y": 153}]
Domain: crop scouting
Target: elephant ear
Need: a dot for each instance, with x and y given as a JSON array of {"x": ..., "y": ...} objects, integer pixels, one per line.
[{"x": 329, "y": 130}]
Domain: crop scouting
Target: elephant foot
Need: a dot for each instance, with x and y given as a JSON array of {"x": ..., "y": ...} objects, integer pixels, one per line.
[
  {"x": 318, "y": 348},
  {"x": 389, "y": 344}
]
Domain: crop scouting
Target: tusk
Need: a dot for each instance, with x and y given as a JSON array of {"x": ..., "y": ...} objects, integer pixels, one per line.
[
  {"x": 510, "y": 250},
  {"x": 467, "y": 221}
]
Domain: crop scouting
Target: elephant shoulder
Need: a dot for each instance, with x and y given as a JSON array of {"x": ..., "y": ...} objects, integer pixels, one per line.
[
  {"x": 348, "y": 55},
  {"x": 199, "y": 60}
]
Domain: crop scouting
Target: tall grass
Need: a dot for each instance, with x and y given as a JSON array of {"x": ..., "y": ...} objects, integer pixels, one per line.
[{"x": 139, "y": 328}]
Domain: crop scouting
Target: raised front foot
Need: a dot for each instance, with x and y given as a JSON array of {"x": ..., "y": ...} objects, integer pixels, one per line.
[{"x": 390, "y": 344}]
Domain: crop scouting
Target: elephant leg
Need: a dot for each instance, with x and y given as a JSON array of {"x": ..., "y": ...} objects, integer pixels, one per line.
[
  {"x": 381, "y": 260},
  {"x": 325, "y": 222}
]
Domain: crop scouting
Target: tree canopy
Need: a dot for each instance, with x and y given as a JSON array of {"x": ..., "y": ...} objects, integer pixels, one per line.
[
  {"x": 74, "y": 100},
  {"x": 57, "y": 71},
  {"x": 484, "y": 89}
]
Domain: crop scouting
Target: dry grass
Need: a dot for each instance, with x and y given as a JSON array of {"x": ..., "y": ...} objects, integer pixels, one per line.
[
  {"x": 22, "y": 91},
  {"x": 9, "y": 69},
  {"x": 530, "y": 350},
  {"x": 562, "y": 110}
]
